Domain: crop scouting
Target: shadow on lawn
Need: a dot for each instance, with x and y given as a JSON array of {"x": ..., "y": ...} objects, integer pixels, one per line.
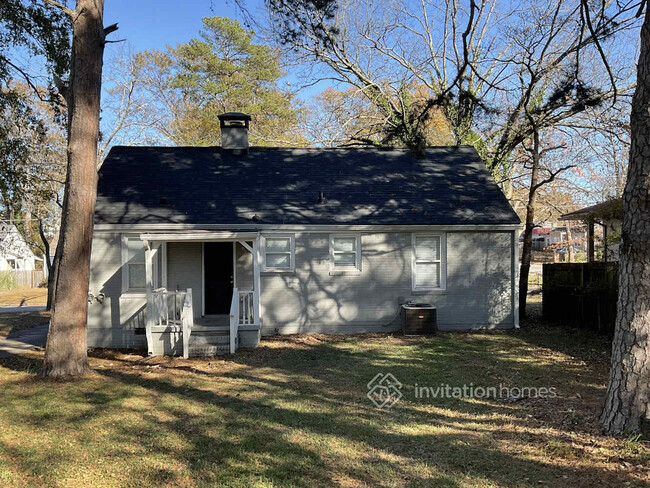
[{"x": 299, "y": 416}]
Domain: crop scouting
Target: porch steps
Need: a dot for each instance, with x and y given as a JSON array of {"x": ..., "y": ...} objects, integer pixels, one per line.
[{"x": 210, "y": 341}]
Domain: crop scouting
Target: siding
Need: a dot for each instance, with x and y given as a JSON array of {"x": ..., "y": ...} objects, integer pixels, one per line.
[
  {"x": 478, "y": 293},
  {"x": 184, "y": 270},
  {"x": 113, "y": 322},
  {"x": 243, "y": 268}
]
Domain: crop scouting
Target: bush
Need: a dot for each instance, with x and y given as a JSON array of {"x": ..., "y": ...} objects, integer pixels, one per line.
[{"x": 8, "y": 280}]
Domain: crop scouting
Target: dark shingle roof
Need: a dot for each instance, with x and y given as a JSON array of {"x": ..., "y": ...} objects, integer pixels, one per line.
[{"x": 198, "y": 185}]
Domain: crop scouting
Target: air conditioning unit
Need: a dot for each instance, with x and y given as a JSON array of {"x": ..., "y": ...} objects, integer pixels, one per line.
[{"x": 419, "y": 319}]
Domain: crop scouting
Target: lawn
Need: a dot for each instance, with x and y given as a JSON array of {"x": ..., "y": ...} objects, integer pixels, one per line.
[
  {"x": 23, "y": 297},
  {"x": 13, "y": 322},
  {"x": 294, "y": 412}
]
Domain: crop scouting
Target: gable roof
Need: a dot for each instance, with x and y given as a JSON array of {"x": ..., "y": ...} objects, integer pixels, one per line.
[
  {"x": 360, "y": 186},
  {"x": 12, "y": 242}
]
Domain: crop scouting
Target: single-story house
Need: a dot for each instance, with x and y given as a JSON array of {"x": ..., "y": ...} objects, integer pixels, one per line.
[
  {"x": 15, "y": 252},
  {"x": 199, "y": 250}
]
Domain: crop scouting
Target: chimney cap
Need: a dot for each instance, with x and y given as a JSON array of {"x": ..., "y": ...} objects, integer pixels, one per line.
[{"x": 234, "y": 116}]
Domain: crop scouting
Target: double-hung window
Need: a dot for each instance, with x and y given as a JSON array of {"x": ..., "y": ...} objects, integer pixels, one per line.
[
  {"x": 345, "y": 252},
  {"x": 279, "y": 253},
  {"x": 428, "y": 262},
  {"x": 133, "y": 261}
]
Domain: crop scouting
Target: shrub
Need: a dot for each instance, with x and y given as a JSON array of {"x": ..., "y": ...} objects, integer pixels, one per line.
[{"x": 8, "y": 280}]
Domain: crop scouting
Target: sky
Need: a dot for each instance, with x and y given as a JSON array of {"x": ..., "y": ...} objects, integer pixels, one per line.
[{"x": 152, "y": 24}]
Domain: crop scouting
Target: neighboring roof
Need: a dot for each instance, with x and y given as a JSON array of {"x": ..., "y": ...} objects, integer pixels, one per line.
[
  {"x": 362, "y": 186},
  {"x": 611, "y": 209},
  {"x": 12, "y": 242}
]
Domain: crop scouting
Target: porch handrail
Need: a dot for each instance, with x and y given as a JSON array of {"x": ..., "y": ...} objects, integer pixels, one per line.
[
  {"x": 234, "y": 319},
  {"x": 187, "y": 320},
  {"x": 167, "y": 307}
]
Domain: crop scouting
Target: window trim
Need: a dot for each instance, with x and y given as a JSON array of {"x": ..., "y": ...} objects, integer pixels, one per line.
[
  {"x": 125, "y": 266},
  {"x": 442, "y": 261},
  {"x": 292, "y": 253},
  {"x": 345, "y": 269}
]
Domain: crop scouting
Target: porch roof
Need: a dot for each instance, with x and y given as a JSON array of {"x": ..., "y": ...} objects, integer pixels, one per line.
[{"x": 198, "y": 235}]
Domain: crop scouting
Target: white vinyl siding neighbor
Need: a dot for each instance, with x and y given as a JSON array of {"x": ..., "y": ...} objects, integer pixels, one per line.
[
  {"x": 279, "y": 252},
  {"x": 345, "y": 252},
  {"x": 428, "y": 263}
]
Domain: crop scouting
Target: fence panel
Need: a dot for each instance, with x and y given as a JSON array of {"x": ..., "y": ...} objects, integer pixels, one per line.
[
  {"x": 31, "y": 279},
  {"x": 581, "y": 295}
]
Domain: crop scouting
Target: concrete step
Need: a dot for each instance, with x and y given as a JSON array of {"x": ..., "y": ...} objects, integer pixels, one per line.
[
  {"x": 210, "y": 339},
  {"x": 203, "y": 350}
]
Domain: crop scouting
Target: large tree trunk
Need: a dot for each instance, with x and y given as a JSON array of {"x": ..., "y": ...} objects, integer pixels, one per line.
[
  {"x": 628, "y": 392},
  {"x": 527, "y": 249},
  {"x": 66, "y": 351}
]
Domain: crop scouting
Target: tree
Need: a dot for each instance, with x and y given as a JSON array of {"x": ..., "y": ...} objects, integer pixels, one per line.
[
  {"x": 223, "y": 70},
  {"x": 628, "y": 390},
  {"x": 66, "y": 352}
]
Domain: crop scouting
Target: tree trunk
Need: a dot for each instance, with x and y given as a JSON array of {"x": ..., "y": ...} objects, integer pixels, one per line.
[
  {"x": 628, "y": 391},
  {"x": 66, "y": 350},
  {"x": 51, "y": 266},
  {"x": 527, "y": 249}
]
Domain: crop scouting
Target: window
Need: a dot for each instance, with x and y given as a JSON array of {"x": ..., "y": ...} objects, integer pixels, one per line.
[
  {"x": 345, "y": 252},
  {"x": 133, "y": 265},
  {"x": 428, "y": 262},
  {"x": 11, "y": 264},
  {"x": 279, "y": 253}
]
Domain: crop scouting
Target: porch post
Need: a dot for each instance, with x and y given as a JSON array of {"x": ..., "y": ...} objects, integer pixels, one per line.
[
  {"x": 148, "y": 273},
  {"x": 256, "y": 279}
]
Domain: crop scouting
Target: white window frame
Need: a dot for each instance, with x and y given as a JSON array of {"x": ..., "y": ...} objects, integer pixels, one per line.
[
  {"x": 292, "y": 253},
  {"x": 334, "y": 268},
  {"x": 442, "y": 261},
  {"x": 159, "y": 260}
]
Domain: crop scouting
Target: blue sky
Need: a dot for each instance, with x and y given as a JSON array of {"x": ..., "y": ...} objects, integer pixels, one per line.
[{"x": 151, "y": 24}]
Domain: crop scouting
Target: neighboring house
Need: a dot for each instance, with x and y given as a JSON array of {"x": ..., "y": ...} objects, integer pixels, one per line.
[
  {"x": 280, "y": 240},
  {"x": 15, "y": 253},
  {"x": 609, "y": 217}
]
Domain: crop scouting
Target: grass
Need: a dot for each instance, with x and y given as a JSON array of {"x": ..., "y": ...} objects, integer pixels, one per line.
[
  {"x": 23, "y": 297},
  {"x": 294, "y": 412},
  {"x": 13, "y": 322}
]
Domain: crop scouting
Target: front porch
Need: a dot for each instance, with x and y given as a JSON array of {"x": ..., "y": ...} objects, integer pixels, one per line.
[{"x": 220, "y": 312}]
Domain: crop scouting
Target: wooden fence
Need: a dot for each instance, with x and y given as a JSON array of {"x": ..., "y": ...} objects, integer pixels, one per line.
[
  {"x": 581, "y": 295},
  {"x": 31, "y": 279}
]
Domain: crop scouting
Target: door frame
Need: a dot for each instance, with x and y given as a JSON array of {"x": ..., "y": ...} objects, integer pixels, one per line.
[{"x": 234, "y": 272}]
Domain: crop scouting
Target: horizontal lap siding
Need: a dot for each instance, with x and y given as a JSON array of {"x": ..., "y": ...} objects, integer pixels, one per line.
[
  {"x": 112, "y": 323},
  {"x": 185, "y": 268},
  {"x": 310, "y": 300}
]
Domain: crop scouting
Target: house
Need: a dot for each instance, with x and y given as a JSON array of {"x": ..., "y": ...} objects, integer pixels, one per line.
[
  {"x": 609, "y": 217},
  {"x": 200, "y": 250},
  {"x": 15, "y": 252}
]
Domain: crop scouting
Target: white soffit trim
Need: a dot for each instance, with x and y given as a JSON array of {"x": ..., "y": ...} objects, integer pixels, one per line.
[{"x": 198, "y": 236}]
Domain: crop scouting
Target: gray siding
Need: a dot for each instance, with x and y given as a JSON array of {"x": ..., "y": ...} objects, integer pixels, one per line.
[
  {"x": 184, "y": 270},
  {"x": 244, "y": 267},
  {"x": 478, "y": 294},
  {"x": 113, "y": 322}
]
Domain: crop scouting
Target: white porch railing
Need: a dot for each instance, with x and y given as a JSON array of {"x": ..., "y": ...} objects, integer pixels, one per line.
[
  {"x": 246, "y": 310},
  {"x": 234, "y": 319},
  {"x": 187, "y": 318},
  {"x": 169, "y": 309}
]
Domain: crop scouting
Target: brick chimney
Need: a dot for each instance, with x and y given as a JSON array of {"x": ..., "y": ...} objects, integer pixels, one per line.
[{"x": 234, "y": 132}]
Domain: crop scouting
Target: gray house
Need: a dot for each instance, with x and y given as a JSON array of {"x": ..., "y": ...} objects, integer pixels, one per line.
[{"x": 200, "y": 250}]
